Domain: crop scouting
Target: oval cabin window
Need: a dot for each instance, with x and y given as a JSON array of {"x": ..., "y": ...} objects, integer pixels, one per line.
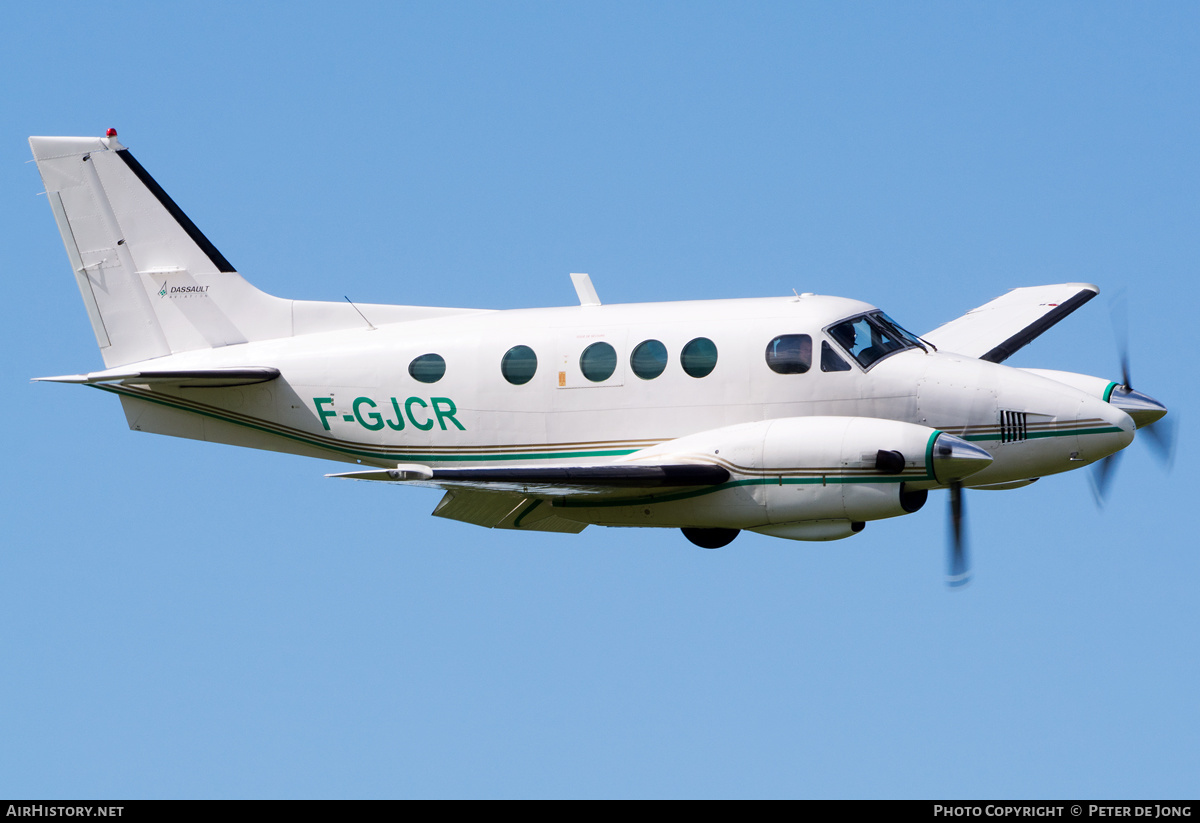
[
  {"x": 519, "y": 365},
  {"x": 649, "y": 359},
  {"x": 428, "y": 368},
  {"x": 699, "y": 357},
  {"x": 598, "y": 362}
]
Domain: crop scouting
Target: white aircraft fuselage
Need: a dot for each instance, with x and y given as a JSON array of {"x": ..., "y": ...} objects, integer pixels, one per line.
[{"x": 802, "y": 416}]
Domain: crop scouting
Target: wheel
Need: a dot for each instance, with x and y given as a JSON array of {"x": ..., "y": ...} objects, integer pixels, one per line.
[{"x": 710, "y": 538}]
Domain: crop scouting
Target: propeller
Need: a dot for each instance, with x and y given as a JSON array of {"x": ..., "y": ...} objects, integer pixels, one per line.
[
  {"x": 958, "y": 571},
  {"x": 1161, "y": 440},
  {"x": 1102, "y": 474},
  {"x": 1159, "y": 433},
  {"x": 954, "y": 459},
  {"x": 1119, "y": 312}
]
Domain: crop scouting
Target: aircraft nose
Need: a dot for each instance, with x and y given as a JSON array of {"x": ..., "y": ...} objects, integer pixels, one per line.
[
  {"x": 1104, "y": 429},
  {"x": 1143, "y": 408},
  {"x": 955, "y": 458}
]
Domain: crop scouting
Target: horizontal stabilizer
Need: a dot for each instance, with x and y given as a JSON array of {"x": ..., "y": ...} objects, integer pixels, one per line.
[
  {"x": 997, "y": 330},
  {"x": 181, "y": 378}
]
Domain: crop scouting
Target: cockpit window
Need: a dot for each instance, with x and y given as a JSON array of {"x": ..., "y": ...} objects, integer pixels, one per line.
[
  {"x": 870, "y": 337},
  {"x": 830, "y": 360},
  {"x": 903, "y": 332}
]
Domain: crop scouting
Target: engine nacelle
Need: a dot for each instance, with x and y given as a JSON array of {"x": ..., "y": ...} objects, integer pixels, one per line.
[
  {"x": 833, "y": 468},
  {"x": 840, "y": 471}
]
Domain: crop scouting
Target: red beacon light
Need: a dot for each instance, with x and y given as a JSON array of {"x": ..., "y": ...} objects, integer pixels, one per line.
[{"x": 110, "y": 133}]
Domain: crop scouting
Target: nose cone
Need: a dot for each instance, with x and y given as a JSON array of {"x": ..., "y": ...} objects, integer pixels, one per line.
[
  {"x": 1143, "y": 408},
  {"x": 955, "y": 458}
]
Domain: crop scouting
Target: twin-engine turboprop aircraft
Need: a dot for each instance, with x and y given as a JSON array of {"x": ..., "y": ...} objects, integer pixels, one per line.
[{"x": 801, "y": 417}]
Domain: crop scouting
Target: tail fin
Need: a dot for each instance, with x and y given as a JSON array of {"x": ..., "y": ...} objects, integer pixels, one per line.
[{"x": 152, "y": 283}]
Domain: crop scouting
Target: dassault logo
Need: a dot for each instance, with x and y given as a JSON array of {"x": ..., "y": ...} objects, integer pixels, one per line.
[
  {"x": 438, "y": 409},
  {"x": 182, "y": 291}
]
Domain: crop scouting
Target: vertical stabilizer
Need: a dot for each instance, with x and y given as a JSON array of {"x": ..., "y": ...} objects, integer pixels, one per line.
[{"x": 152, "y": 283}]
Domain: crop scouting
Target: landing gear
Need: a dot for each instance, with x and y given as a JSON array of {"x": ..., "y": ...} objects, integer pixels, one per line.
[{"x": 710, "y": 538}]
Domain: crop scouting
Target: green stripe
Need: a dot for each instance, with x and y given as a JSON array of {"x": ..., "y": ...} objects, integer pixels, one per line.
[
  {"x": 929, "y": 453},
  {"x": 1040, "y": 435},
  {"x": 1104, "y": 430},
  {"x": 1108, "y": 392},
  {"x": 315, "y": 441}
]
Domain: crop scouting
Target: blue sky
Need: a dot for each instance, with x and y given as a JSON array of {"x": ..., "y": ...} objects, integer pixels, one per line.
[{"x": 184, "y": 619}]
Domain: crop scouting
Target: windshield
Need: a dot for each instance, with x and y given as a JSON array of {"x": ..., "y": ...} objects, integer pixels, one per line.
[
  {"x": 903, "y": 332},
  {"x": 870, "y": 337}
]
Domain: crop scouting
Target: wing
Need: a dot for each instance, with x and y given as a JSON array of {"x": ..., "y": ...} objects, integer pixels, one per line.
[
  {"x": 519, "y": 497},
  {"x": 553, "y": 481},
  {"x": 997, "y": 330}
]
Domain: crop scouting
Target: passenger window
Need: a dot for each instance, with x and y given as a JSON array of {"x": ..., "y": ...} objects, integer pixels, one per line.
[
  {"x": 428, "y": 368},
  {"x": 830, "y": 360},
  {"x": 699, "y": 357},
  {"x": 598, "y": 362},
  {"x": 790, "y": 354},
  {"x": 649, "y": 359},
  {"x": 519, "y": 365}
]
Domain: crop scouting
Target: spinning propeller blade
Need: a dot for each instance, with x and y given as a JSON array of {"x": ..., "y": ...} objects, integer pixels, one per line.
[
  {"x": 1102, "y": 475},
  {"x": 958, "y": 572},
  {"x": 1119, "y": 311},
  {"x": 1161, "y": 440},
  {"x": 1147, "y": 413}
]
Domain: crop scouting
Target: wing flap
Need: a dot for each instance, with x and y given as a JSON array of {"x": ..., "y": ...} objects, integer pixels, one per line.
[
  {"x": 998, "y": 329},
  {"x": 500, "y": 510}
]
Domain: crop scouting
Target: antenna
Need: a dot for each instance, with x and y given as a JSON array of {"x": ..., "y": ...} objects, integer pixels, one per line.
[
  {"x": 585, "y": 290},
  {"x": 360, "y": 314}
]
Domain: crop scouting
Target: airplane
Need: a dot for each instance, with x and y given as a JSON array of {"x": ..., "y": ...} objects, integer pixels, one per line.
[{"x": 800, "y": 417}]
